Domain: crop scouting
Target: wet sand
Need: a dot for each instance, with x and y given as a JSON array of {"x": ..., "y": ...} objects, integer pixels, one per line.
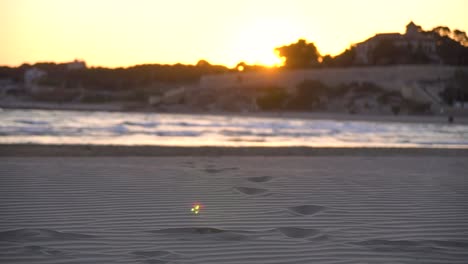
[{"x": 32, "y": 150}]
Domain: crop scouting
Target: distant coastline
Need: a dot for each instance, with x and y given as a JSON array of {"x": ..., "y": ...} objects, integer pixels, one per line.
[{"x": 419, "y": 72}]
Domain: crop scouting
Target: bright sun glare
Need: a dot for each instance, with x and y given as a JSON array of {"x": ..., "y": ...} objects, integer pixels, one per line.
[
  {"x": 258, "y": 40},
  {"x": 120, "y": 33}
]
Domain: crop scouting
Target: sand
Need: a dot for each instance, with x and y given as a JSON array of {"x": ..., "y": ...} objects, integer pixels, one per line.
[
  {"x": 38, "y": 150},
  {"x": 355, "y": 208}
]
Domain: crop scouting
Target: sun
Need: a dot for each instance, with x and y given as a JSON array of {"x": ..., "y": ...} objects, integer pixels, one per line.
[
  {"x": 258, "y": 39},
  {"x": 270, "y": 60}
]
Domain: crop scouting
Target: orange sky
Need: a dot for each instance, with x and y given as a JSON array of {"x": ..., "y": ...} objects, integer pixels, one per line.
[{"x": 122, "y": 33}]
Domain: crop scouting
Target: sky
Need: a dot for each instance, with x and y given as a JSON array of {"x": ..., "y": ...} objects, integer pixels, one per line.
[{"x": 115, "y": 33}]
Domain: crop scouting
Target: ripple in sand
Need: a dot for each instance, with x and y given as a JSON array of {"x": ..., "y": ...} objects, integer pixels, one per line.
[
  {"x": 295, "y": 232},
  {"x": 306, "y": 209},
  {"x": 154, "y": 256},
  {"x": 450, "y": 243},
  {"x": 205, "y": 232},
  {"x": 155, "y": 261},
  {"x": 25, "y": 235},
  {"x": 190, "y": 230},
  {"x": 260, "y": 179},
  {"x": 151, "y": 254},
  {"x": 411, "y": 245},
  {"x": 250, "y": 191}
]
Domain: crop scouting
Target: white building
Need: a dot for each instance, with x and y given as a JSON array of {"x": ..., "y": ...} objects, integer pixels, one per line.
[
  {"x": 413, "y": 39},
  {"x": 76, "y": 65}
]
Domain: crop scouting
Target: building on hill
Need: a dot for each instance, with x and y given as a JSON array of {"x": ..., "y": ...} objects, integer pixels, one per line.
[
  {"x": 414, "y": 41},
  {"x": 76, "y": 65}
]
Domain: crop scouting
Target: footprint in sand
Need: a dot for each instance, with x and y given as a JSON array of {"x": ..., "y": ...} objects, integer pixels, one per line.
[
  {"x": 44, "y": 251},
  {"x": 250, "y": 190},
  {"x": 215, "y": 170},
  {"x": 306, "y": 209},
  {"x": 260, "y": 179},
  {"x": 32, "y": 234}
]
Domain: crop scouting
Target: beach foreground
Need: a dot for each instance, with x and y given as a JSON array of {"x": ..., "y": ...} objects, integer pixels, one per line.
[
  {"x": 57, "y": 150},
  {"x": 322, "y": 209}
]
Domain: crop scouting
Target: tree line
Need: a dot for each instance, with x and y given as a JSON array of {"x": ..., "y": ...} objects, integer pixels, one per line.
[
  {"x": 115, "y": 78},
  {"x": 452, "y": 48}
]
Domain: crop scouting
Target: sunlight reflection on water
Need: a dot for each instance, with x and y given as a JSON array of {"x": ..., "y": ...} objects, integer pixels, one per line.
[{"x": 73, "y": 127}]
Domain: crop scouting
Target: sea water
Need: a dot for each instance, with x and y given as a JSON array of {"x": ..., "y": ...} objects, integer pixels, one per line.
[{"x": 118, "y": 128}]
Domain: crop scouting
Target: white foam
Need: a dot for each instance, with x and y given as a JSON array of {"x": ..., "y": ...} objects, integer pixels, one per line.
[{"x": 20, "y": 126}]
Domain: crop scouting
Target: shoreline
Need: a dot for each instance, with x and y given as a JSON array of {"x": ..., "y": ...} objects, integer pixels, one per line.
[
  {"x": 115, "y": 108},
  {"x": 38, "y": 150}
]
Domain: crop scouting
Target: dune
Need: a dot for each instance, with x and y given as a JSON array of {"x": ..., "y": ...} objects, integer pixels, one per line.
[{"x": 254, "y": 209}]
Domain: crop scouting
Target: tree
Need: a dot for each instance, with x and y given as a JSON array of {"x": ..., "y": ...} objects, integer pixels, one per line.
[
  {"x": 241, "y": 66},
  {"x": 203, "y": 63},
  {"x": 244, "y": 67},
  {"x": 308, "y": 94},
  {"x": 327, "y": 61},
  {"x": 457, "y": 90},
  {"x": 299, "y": 55},
  {"x": 345, "y": 59},
  {"x": 274, "y": 99},
  {"x": 460, "y": 37},
  {"x": 442, "y": 31}
]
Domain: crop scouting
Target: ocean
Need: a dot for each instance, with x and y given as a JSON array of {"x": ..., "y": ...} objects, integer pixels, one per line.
[{"x": 119, "y": 128}]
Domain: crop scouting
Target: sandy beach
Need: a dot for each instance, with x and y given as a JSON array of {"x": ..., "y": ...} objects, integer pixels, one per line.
[
  {"x": 327, "y": 206},
  {"x": 51, "y": 150},
  {"x": 234, "y": 132}
]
